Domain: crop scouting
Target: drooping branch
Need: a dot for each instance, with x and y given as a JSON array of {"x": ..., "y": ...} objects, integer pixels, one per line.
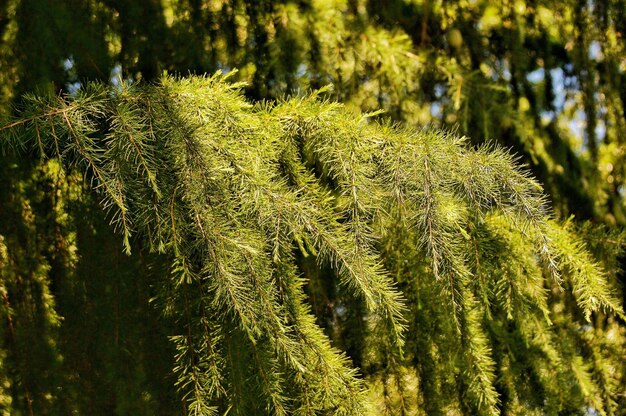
[{"x": 235, "y": 194}]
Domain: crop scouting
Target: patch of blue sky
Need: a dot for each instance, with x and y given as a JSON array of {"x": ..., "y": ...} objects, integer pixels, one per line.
[
  {"x": 73, "y": 85},
  {"x": 536, "y": 76},
  {"x": 440, "y": 90},
  {"x": 436, "y": 110},
  {"x": 595, "y": 51},
  {"x": 558, "y": 88},
  {"x": 224, "y": 68}
]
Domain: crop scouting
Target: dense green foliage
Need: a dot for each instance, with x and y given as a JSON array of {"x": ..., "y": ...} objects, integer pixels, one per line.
[
  {"x": 545, "y": 77},
  {"x": 246, "y": 203},
  {"x": 296, "y": 255}
]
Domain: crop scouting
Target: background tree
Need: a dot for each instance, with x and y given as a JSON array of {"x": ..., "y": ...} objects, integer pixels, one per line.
[{"x": 545, "y": 78}]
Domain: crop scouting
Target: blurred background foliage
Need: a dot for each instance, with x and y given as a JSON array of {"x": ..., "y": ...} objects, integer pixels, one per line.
[{"x": 545, "y": 78}]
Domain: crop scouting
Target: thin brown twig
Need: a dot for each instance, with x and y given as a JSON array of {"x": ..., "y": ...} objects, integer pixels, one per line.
[{"x": 33, "y": 118}]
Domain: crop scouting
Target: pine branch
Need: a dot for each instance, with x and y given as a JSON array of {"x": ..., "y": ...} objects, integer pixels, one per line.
[{"x": 408, "y": 220}]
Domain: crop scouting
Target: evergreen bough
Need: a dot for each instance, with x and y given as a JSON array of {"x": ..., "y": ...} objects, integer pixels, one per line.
[{"x": 444, "y": 256}]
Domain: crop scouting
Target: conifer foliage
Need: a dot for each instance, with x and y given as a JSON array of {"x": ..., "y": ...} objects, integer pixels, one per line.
[{"x": 463, "y": 294}]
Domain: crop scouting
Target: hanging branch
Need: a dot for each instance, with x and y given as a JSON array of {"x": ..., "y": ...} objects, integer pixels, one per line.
[{"x": 234, "y": 194}]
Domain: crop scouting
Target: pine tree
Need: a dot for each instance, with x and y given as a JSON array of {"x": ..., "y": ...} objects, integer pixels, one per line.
[
  {"x": 468, "y": 296},
  {"x": 545, "y": 78}
]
